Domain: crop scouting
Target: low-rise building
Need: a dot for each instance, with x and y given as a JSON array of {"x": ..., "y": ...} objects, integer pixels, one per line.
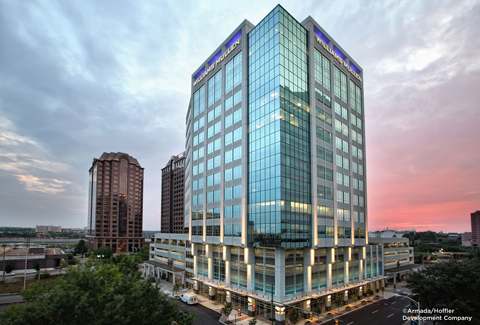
[
  {"x": 47, "y": 229},
  {"x": 45, "y": 257}
]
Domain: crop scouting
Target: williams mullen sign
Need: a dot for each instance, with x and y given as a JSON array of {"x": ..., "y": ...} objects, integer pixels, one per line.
[
  {"x": 219, "y": 60},
  {"x": 339, "y": 59}
]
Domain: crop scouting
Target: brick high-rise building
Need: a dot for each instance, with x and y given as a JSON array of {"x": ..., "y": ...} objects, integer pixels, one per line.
[
  {"x": 115, "y": 203},
  {"x": 173, "y": 189},
  {"x": 475, "y": 228}
]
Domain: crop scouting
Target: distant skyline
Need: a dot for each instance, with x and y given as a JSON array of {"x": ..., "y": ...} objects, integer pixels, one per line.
[{"x": 73, "y": 75}]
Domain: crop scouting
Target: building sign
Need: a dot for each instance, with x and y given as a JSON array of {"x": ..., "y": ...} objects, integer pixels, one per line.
[
  {"x": 217, "y": 62},
  {"x": 338, "y": 58}
]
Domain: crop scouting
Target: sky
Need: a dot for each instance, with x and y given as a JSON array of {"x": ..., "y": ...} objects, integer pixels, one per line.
[{"x": 79, "y": 78}]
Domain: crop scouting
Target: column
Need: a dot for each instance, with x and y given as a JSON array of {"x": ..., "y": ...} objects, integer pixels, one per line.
[
  {"x": 328, "y": 303},
  {"x": 308, "y": 262},
  {"x": 280, "y": 275},
  {"x": 228, "y": 297},
  {"x": 251, "y": 307},
  {"x": 279, "y": 315},
  {"x": 307, "y": 307},
  {"x": 330, "y": 260},
  {"x": 226, "y": 258},
  {"x": 211, "y": 293}
]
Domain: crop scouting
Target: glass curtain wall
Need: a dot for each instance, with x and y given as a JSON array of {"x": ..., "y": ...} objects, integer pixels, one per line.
[{"x": 279, "y": 133}]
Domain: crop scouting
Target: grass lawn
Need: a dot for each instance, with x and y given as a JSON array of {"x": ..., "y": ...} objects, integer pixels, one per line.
[{"x": 17, "y": 285}]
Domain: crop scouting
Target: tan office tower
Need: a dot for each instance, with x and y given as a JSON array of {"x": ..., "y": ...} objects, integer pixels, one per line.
[
  {"x": 173, "y": 189},
  {"x": 115, "y": 203}
]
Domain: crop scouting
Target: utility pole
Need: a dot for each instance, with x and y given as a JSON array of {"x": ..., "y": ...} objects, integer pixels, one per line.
[
  {"x": 272, "y": 317},
  {"x": 4, "y": 249},
  {"x": 25, "y": 278}
]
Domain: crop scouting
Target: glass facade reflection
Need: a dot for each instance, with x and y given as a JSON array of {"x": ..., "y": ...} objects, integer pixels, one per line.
[{"x": 279, "y": 193}]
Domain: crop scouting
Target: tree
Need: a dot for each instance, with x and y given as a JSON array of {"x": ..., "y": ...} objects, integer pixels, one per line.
[
  {"x": 37, "y": 267},
  {"x": 355, "y": 298},
  {"x": 252, "y": 321},
  {"x": 144, "y": 252},
  {"x": 8, "y": 268},
  {"x": 338, "y": 302},
  {"x": 102, "y": 251},
  {"x": 106, "y": 294},
  {"x": 453, "y": 285},
  {"x": 176, "y": 288},
  {"x": 294, "y": 316},
  {"x": 226, "y": 310}
]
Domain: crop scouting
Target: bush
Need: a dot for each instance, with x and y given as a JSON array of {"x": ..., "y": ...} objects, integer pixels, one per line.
[{"x": 8, "y": 268}]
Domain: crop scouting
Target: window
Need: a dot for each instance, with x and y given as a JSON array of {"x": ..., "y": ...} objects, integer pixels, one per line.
[
  {"x": 228, "y": 174},
  {"x": 228, "y": 120},
  {"x": 322, "y": 70},
  {"x": 237, "y": 153},
  {"x": 340, "y": 127},
  {"x": 341, "y": 111},
  {"x": 237, "y": 97},
  {"x": 237, "y": 134},
  {"x": 228, "y": 156},
  {"x": 228, "y": 138},
  {"x": 355, "y": 98},
  {"x": 324, "y": 192},
  {"x": 228, "y": 193},
  {"x": 233, "y": 72},
  {"x": 323, "y": 116},
  {"x": 199, "y": 124},
  {"x": 199, "y": 101},
  {"x": 324, "y": 212},
  {"x": 341, "y": 144},
  {"x": 343, "y": 197},
  {"x": 324, "y": 154},
  {"x": 343, "y": 162},
  {"x": 340, "y": 84},
  {"x": 324, "y": 173},
  {"x": 324, "y": 135},
  {"x": 324, "y": 98},
  {"x": 237, "y": 115},
  {"x": 215, "y": 88}
]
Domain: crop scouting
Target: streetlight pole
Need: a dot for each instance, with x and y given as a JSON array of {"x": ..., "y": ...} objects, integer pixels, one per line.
[
  {"x": 25, "y": 278},
  {"x": 4, "y": 249},
  {"x": 416, "y": 302}
]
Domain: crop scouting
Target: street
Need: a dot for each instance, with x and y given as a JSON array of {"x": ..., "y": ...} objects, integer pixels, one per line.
[
  {"x": 203, "y": 315},
  {"x": 388, "y": 311}
]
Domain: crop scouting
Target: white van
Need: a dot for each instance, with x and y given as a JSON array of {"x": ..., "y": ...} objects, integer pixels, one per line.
[{"x": 189, "y": 298}]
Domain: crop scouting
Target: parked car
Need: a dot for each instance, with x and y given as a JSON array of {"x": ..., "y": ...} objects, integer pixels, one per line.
[{"x": 189, "y": 298}]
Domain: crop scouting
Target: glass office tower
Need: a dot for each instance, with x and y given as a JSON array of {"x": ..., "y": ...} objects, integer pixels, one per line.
[{"x": 275, "y": 192}]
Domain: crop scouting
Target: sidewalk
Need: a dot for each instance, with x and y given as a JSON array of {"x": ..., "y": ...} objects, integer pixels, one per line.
[{"x": 244, "y": 319}]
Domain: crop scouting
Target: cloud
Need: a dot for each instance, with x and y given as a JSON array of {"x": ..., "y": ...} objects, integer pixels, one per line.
[{"x": 44, "y": 185}]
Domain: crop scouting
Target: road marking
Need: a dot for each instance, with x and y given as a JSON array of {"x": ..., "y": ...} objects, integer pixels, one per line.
[
  {"x": 390, "y": 315},
  {"x": 350, "y": 323},
  {"x": 394, "y": 302},
  {"x": 207, "y": 306},
  {"x": 373, "y": 312}
]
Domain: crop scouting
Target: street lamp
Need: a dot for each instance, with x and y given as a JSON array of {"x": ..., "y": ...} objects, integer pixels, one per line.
[{"x": 416, "y": 302}]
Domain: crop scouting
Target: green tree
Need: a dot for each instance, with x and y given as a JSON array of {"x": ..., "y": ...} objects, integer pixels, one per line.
[
  {"x": 453, "y": 285},
  {"x": 226, "y": 310},
  {"x": 103, "y": 251},
  {"x": 80, "y": 248},
  {"x": 37, "y": 267},
  {"x": 144, "y": 252},
  {"x": 176, "y": 288},
  {"x": 252, "y": 321},
  {"x": 106, "y": 294},
  {"x": 338, "y": 302},
  {"x": 8, "y": 268},
  {"x": 294, "y": 316}
]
